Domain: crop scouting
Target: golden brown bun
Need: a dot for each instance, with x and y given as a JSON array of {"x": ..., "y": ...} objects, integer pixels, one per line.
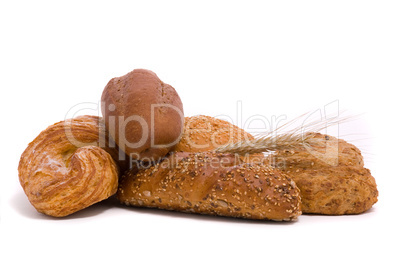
[
  {"x": 143, "y": 114},
  {"x": 332, "y": 179},
  {"x": 205, "y": 133},
  {"x": 214, "y": 184},
  {"x": 64, "y": 170}
]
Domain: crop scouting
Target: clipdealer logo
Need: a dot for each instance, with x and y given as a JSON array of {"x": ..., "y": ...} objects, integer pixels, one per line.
[{"x": 318, "y": 120}]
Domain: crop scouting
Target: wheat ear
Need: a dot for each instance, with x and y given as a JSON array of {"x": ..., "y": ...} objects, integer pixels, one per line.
[{"x": 293, "y": 139}]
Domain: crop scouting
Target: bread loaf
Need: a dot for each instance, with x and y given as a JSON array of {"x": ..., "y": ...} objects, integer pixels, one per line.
[
  {"x": 332, "y": 178},
  {"x": 214, "y": 184},
  {"x": 204, "y": 133}
]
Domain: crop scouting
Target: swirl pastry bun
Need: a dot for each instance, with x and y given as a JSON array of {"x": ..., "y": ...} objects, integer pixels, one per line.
[
  {"x": 68, "y": 167},
  {"x": 143, "y": 114}
]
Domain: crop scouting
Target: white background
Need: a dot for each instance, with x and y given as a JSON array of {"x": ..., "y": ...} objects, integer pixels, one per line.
[{"x": 277, "y": 58}]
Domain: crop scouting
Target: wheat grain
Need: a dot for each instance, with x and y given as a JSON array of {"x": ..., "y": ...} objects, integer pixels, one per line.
[{"x": 280, "y": 139}]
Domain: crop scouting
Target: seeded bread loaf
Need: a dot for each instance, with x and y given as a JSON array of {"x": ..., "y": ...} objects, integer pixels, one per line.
[{"x": 214, "y": 184}]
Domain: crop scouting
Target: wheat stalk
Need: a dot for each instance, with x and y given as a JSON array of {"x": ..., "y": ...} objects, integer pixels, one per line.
[
  {"x": 264, "y": 144},
  {"x": 293, "y": 139}
]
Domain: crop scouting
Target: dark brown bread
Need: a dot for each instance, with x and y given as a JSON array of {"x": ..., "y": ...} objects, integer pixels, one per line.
[
  {"x": 142, "y": 114},
  {"x": 214, "y": 184}
]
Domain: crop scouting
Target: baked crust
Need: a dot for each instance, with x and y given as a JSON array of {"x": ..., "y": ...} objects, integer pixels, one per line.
[
  {"x": 143, "y": 114},
  {"x": 214, "y": 184},
  {"x": 332, "y": 179},
  {"x": 64, "y": 169},
  {"x": 204, "y": 133}
]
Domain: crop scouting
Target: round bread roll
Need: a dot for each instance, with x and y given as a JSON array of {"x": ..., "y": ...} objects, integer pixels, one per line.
[
  {"x": 205, "y": 133},
  {"x": 142, "y": 114}
]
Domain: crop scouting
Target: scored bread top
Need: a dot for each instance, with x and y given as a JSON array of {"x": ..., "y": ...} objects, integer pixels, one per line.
[{"x": 203, "y": 133}]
